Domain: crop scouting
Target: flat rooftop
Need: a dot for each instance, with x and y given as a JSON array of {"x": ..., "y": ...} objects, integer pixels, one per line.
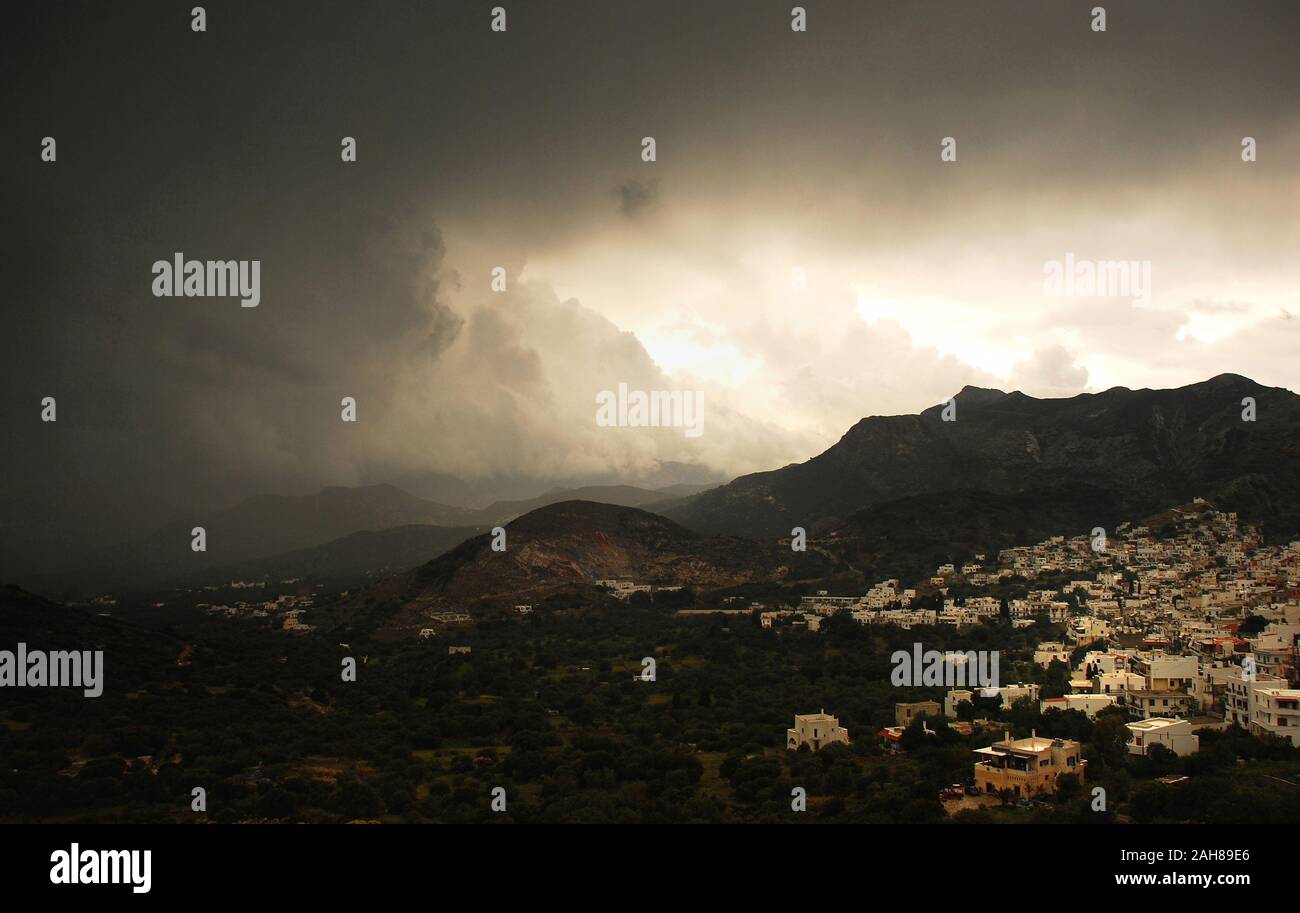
[
  {"x": 1035, "y": 744},
  {"x": 1157, "y": 723}
]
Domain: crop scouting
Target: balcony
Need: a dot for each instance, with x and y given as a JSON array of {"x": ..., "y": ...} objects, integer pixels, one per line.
[{"x": 1017, "y": 772}]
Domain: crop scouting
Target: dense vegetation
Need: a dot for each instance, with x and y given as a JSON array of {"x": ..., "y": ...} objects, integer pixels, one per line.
[{"x": 547, "y": 708}]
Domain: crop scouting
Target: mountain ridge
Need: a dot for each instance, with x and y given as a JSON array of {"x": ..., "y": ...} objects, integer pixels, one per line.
[
  {"x": 1150, "y": 447},
  {"x": 337, "y": 529}
]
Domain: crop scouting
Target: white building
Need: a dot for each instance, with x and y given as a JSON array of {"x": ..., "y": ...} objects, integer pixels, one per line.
[
  {"x": 816, "y": 730},
  {"x": 827, "y": 605},
  {"x": 1086, "y": 628},
  {"x": 1277, "y": 712},
  {"x": 1009, "y": 693},
  {"x": 1117, "y": 683},
  {"x": 1049, "y": 651},
  {"x": 1165, "y": 671},
  {"x": 1176, "y": 735},
  {"x": 1088, "y": 704},
  {"x": 623, "y": 589},
  {"x": 1240, "y": 695}
]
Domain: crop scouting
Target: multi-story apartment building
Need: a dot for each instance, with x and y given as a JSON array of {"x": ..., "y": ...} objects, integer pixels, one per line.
[
  {"x": 1145, "y": 705},
  {"x": 1274, "y": 651},
  {"x": 1166, "y": 672},
  {"x": 1118, "y": 684},
  {"x": 1277, "y": 712},
  {"x": 1240, "y": 694},
  {"x": 1169, "y": 681}
]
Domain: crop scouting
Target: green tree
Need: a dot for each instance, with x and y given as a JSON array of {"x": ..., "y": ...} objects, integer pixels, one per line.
[{"x": 1110, "y": 738}]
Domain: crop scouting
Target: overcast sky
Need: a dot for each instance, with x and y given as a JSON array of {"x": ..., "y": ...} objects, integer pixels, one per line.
[{"x": 776, "y": 151}]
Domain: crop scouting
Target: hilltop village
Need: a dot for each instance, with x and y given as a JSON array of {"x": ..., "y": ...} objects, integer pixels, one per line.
[{"x": 1180, "y": 634}]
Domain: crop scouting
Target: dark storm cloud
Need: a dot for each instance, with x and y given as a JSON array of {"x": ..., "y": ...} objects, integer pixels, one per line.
[
  {"x": 635, "y": 196},
  {"x": 226, "y": 145}
]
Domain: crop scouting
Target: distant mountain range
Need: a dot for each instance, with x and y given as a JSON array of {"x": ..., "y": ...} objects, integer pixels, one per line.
[
  {"x": 365, "y": 553},
  {"x": 335, "y": 532},
  {"x": 898, "y": 495},
  {"x": 1022, "y": 463},
  {"x": 895, "y": 494}
]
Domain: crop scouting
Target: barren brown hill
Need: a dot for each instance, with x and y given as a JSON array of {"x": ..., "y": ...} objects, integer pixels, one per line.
[{"x": 564, "y": 550}]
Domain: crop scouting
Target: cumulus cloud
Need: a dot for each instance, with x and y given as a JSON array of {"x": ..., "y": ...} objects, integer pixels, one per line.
[{"x": 1050, "y": 371}]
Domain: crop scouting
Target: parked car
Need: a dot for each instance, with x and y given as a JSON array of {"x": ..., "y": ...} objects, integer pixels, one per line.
[{"x": 952, "y": 792}]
